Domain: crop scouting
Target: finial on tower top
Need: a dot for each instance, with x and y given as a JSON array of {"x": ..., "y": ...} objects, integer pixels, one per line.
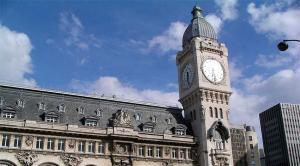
[{"x": 197, "y": 12}]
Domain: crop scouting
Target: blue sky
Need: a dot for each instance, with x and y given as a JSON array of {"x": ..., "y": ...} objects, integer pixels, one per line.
[{"x": 127, "y": 48}]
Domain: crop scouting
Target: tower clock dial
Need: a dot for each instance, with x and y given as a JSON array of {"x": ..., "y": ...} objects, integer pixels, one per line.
[
  {"x": 213, "y": 70},
  {"x": 188, "y": 75}
]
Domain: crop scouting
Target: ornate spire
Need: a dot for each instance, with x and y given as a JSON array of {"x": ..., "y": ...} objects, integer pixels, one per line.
[{"x": 197, "y": 12}]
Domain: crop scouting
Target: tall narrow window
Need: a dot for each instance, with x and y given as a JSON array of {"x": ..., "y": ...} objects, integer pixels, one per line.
[
  {"x": 182, "y": 154},
  {"x": 195, "y": 115},
  {"x": 189, "y": 155},
  {"x": 141, "y": 150},
  {"x": 158, "y": 152},
  {"x": 191, "y": 114},
  {"x": 101, "y": 148},
  {"x": 211, "y": 112},
  {"x": 174, "y": 153},
  {"x": 221, "y": 113},
  {"x": 81, "y": 146},
  {"x": 5, "y": 140},
  {"x": 50, "y": 144},
  {"x": 61, "y": 144},
  {"x": 91, "y": 147},
  {"x": 216, "y": 112},
  {"x": 1, "y": 101},
  {"x": 39, "y": 143},
  {"x": 150, "y": 151},
  {"x": 17, "y": 141}
]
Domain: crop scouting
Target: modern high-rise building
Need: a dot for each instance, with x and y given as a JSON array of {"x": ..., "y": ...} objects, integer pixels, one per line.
[
  {"x": 244, "y": 145},
  {"x": 280, "y": 131}
]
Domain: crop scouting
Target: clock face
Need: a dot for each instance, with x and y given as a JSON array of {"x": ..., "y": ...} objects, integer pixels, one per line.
[
  {"x": 213, "y": 70},
  {"x": 188, "y": 75}
]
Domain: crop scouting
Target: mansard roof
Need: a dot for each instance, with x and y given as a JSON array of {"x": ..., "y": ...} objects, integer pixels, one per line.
[{"x": 73, "y": 102}]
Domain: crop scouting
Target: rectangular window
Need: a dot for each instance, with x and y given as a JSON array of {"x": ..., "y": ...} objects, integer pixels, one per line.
[
  {"x": 182, "y": 154},
  {"x": 148, "y": 129},
  {"x": 17, "y": 141},
  {"x": 51, "y": 119},
  {"x": 195, "y": 115},
  {"x": 216, "y": 113},
  {"x": 211, "y": 112},
  {"x": 50, "y": 144},
  {"x": 141, "y": 150},
  {"x": 101, "y": 148},
  {"x": 221, "y": 113},
  {"x": 91, "y": 123},
  {"x": 8, "y": 115},
  {"x": 91, "y": 147},
  {"x": 250, "y": 138},
  {"x": 81, "y": 146},
  {"x": 150, "y": 151},
  {"x": 158, "y": 152},
  {"x": 251, "y": 146},
  {"x": 189, "y": 154},
  {"x": 5, "y": 140},
  {"x": 61, "y": 144},
  {"x": 40, "y": 143},
  {"x": 180, "y": 132},
  {"x": 174, "y": 153}
]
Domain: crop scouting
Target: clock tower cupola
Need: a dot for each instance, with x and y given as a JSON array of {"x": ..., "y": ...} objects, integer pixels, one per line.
[{"x": 204, "y": 90}]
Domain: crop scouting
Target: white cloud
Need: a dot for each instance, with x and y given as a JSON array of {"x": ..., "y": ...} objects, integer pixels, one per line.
[
  {"x": 271, "y": 61},
  {"x": 215, "y": 21},
  {"x": 274, "y": 21},
  {"x": 113, "y": 86},
  {"x": 234, "y": 72},
  {"x": 169, "y": 40},
  {"x": 228, "y": 9},
  {"x": 15, "y": 58},
  {"x": 228, "y": 12},
  {"x": 72, "y": 26}
]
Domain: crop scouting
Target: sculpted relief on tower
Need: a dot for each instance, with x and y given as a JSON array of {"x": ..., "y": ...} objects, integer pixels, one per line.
[{"x": 122, "y": 119}]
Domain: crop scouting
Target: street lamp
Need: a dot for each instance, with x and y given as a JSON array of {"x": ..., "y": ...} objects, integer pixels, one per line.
[{"x": 282, "y": 46}]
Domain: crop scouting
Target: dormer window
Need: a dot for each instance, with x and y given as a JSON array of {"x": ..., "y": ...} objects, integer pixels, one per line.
[
  {"x": 99, "y": 113},
  {"x": 51, "y": 117},
  {"x": 8, "y": 113},
  {"x": 148, "y": 127},
  {"x": 42, "y": 106},
  {"x": 21, "y": 103},
  {"x": 90, "y": 121},
  {"x": 80, "y": 110},
  {"x": 153, "y": 119},
  {"x": 1, "y": 101},
  {"x": 180, "y": 130},
  {"x": 137, "y": 117},
  {"x": 61, "y": 108}
]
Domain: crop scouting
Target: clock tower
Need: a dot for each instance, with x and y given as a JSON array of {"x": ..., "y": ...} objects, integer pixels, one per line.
[{"x": 204, "y": 90}]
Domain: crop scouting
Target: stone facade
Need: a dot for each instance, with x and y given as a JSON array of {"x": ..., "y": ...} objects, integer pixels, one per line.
[
  {"x": 49, "y": 128},
  {"x": 244, "y": 146}
]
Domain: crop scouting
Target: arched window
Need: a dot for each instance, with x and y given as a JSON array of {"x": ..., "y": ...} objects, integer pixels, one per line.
[
  {"x": 137, "y": 117},
  {"x": 6, "y": 163},
  {"x": 99, "y": 113},
  {"x": 221, "y": 113},
  {"x": 153, "y": 119},
  {"x": 211, "y": 112},
  {"x": 216, "y": 113}
]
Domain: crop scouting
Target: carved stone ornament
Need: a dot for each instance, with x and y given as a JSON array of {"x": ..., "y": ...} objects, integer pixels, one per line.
[
  {"x": 27, "y": 158},
  {"x": 122, "y": 119},
  {"x": 71, "y": 160},
  {"x": 167, "y": 163},
  {"x": 121, "y": 149},
  {"x": 71, "y": 144},
  {"x": 121, "y": 161},
  {"x": 29, "y": 140}
]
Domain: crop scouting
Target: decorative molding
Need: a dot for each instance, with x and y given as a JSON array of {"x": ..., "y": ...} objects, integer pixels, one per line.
[
  {"x": 70, "y": 160},
  {"x": 122, "y": 119},
  {"x": 27, "y": 158},
  {"x": 72, "y": 144},
  {"x": 29, "y": 140}
]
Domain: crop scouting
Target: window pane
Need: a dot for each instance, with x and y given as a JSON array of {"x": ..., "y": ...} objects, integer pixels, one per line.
[
  {"x": 5, "y": 140},
  {"x": 17, "y": 141},
  {"x": 61, "y": 144}
]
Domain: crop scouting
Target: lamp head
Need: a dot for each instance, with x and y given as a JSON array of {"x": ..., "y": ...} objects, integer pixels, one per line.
[{"x": 282, "y": 46}]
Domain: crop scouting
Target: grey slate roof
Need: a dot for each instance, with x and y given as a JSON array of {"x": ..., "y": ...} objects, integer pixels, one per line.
[{"x": 52, "y": 99}]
